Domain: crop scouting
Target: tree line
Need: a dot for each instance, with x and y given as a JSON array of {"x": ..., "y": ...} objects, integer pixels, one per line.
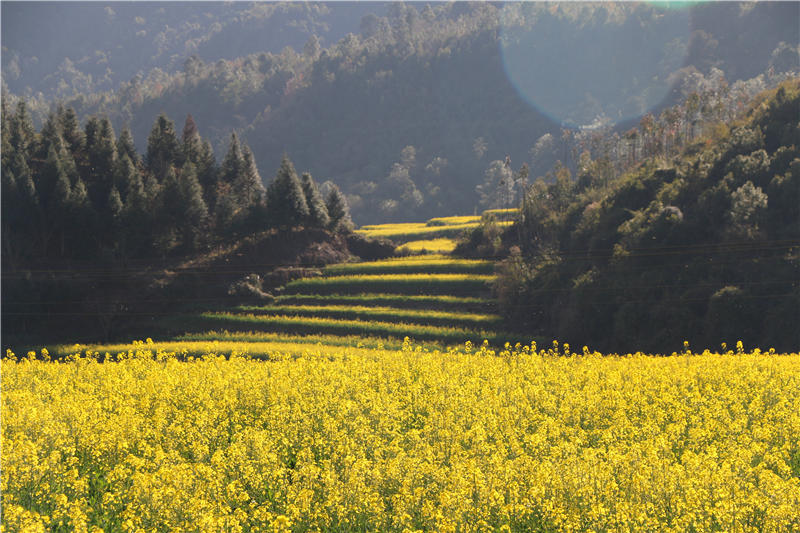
[
  {"x": 701, "y": 247},
  {"x": 72, "y": 193}
]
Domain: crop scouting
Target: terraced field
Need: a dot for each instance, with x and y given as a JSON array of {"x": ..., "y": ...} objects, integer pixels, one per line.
[
  {"x": 437, "y": 235},
  {"x": 434, "y": 299}
]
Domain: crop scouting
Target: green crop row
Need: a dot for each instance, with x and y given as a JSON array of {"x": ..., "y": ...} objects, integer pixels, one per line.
[
  {"x": 388, "y": 314},
  {"x": 357, "y": 341},
  {"x": 414, "y": 265},
  {"x": 404, "y": 234},
  {"x": 436, "y": 302},
  {"x": 456, "y": 284},
  {"x": 453, "y": 221},
  {"x": 329, "y": 326},
  {"x": 432, "y": 246}
]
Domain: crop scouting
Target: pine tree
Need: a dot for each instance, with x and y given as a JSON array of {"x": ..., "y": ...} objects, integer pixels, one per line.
[
  {"x": 232, "y": 167},
  {"x": 163, "y": 149},
  {"x": 286, "y": 203},
  {"x": 249, "y": 188},
  {"x": 317, "y": 211},
  {"x": 23, "y": 135},
  {"x": 127, "y": 178},
  {"x": 126, "y": 146},
  {"x": 101, "y": 151},
  {"x": 208, "y": 174},
  {"x": 338, "y": 210},
  {"x": 192, "y": 211},
  {"x": 192, "y": 143},
  {"x": 51, "y": 171},
  {"x": 71, "y": 130},
  {"x": 50, "y": 133}
]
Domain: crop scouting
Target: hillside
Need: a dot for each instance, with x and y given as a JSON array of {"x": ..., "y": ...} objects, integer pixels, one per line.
[
  {"x": 701, "y": 247},
  {"x": 440, "y": 85}
]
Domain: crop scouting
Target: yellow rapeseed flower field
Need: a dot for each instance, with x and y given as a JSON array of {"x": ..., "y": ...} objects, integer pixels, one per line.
[{"x": 402, "y": 440}]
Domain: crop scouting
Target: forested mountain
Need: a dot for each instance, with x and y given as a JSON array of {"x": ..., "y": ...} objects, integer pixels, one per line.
[
  {"x": 701, "y": 246},
  {"x": 417, "y": 108},
  {"x": 100, "y": 45}
]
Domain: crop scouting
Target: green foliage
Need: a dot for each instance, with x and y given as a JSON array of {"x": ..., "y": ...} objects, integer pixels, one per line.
[
  {"x": 163, "y": 150},
  {"x": 338, "y": 210},
  {"x": 702, "y": 249},
  {"x": 286, "y": 203},
  {"x": 317, "y": 211}
]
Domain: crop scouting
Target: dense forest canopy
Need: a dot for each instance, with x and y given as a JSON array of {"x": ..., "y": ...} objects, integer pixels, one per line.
[
  {"x": 701, "y": 246},
  {"x": 407, "y": 106}
]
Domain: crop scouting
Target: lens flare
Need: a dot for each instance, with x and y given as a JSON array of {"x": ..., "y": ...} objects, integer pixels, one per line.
[{"x": 616, "y": 68}]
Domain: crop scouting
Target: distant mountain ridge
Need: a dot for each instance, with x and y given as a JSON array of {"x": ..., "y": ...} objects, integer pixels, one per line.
[{"x": 409, "y": 111}]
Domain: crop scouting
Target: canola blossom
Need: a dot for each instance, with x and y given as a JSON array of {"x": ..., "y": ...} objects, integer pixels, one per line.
[
  {"x": 402, "y": 440},
  {"x": 442, "y": 245}
]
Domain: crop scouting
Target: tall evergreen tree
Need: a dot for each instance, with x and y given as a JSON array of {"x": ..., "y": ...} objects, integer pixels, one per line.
[
  {"x": 249, "y": 188},
  {"x": 23, "y": 135},
  {"x": 317, "y": 211},
  {"x": 192, "y": 143},
  {"x": 338, "y": 210},
  {"x": 192, "y": 210},
  {"x": 126, "y": 146},
  {"x": 101, "y": 151},
  {"x": 232, "y": 167},
  {"x": 127, "y": 178},
  {"x": 286, "y": 203},
  {"x": 71, "y": 130},
  {"x": 208, "y": 174},
  {"x": 50, "y": 133},
  {"x": 163, "y": 149}
]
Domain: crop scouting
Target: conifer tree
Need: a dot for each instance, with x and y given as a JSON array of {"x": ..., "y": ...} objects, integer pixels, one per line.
[
  {"x": 113, "y": 218},
  {"x": 192, "y": 211},
  {"x": 127, "y": 178},
  {"x": 232, "y": 167},
  {"x": 338, "y": 210},
  {"x": 192, "y": 143},
  {"x": 50, "y": 133},
  {"x": 101, "y": 151},
  {"x": 208, "y": 174},
  {"x": 163, "y": 149},
  {"x": 286, "y": 203},
  {"x": 126, "y": 146},
  {"x": 249, "y": 188},
  {"x": 23, "y": 135},
  {"x": 48, "y": 176},
  {"x": 71, "y": 130},
  {"x": 317, "y": 211}
]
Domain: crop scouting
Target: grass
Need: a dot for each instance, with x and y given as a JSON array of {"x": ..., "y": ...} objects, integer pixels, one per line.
[
  {"x": 414, "y": 265},
  {"x": 390, "y": 314},
  {"x": 455, "y": 284},
  {"x": 428, "y": 301}
]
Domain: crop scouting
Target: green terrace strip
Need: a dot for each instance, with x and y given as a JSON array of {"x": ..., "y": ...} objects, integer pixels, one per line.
[
  {"x": 189, "y": 348},
  {"x": 441, "y": 245},
  {"x": 389, "y": 314},
  {"x": 414, "y": 265},
  {"x": 409, "y": 232},
  {"x": 507, "y": 214},
  {"x": 441, "y": 302},
  {"x": 420, "y": 231},
  {"x": 330, "y": 326},
  {"x": 358, "y": 341},
  {"x": 452, "y": 221},
  {"x": 455, "y": 284}
]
